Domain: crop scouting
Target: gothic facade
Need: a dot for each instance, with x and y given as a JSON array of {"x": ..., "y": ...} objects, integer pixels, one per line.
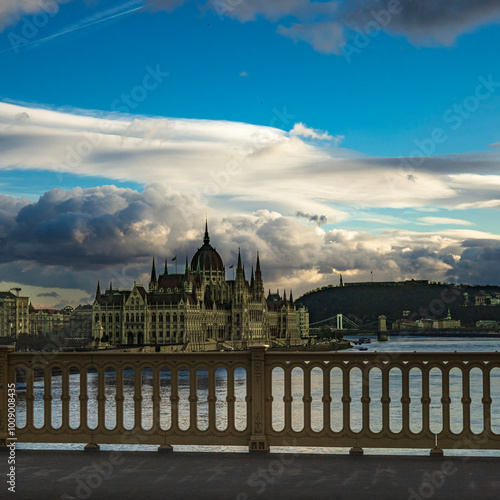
[{"x": 197, "y": 307}]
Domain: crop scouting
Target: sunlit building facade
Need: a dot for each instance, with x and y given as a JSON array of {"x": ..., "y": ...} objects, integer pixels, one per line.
[{"x": 14, "y": 315}]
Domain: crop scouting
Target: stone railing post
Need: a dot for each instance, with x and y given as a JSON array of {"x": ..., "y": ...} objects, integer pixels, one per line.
[
  {"x": 4, "y": 384},
  {"x": 258, "y": 440}
]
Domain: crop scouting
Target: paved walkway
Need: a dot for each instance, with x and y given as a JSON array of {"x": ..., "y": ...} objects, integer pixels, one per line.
[{"x": 53, "y": 475}]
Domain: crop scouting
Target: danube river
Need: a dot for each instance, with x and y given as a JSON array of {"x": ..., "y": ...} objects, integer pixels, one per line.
[{"x": 413, "y": 344}]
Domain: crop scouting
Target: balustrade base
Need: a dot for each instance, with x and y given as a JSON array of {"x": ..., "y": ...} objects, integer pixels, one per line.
[
  {"x": 436, "y": 452},
  {"x": 92, "y": 447},
  {"x": 356, "y": 451},
  {"x": 165, "y": 448},
  {"x": 258, "y": 448}
]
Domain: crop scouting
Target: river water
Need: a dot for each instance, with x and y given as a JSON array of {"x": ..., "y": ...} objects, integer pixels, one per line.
[{"x": 413, "y": 344}]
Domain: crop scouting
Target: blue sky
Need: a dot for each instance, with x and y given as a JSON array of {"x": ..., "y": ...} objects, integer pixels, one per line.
[{"x": 327, "y": 148}]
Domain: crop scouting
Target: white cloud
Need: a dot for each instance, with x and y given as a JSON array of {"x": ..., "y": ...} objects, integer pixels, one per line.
[
  {"x": 430, "y": 221},
  {"x": 299, "y": 129},
  {"x": 12, "y": 10},
  {"x": 426, "y": 209},
  {"x": 476, "y": 180},
  {"x": 234, "y": 166},
  {"x": 243, "y": 73},
  {"x": 479, "y": 204}
]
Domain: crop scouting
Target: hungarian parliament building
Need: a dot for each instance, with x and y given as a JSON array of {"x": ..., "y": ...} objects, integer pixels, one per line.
[{"x": 199, "y": 308}]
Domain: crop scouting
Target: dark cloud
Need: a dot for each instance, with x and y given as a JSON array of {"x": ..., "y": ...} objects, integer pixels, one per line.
[
  {"x": 478, "y": 163},
  {"x": 318, "y": 219},
  {"x": 9, "y": 208},
  {"x": 106, "y": 230},
  {"x": 95, "y": 227},
  {"x": 425, "y": 21},
  {"x": 54, "y": 295},
  {"x": 68, "y": 239},
  {"x": 481, "y": 242},
  {"x": 479, "y": 264},
  {"x": 11, "y": 205},
  {"x": 321, "y": 24}
]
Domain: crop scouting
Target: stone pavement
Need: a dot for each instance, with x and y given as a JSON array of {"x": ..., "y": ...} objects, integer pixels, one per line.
[{"x": 61, "y": 474}]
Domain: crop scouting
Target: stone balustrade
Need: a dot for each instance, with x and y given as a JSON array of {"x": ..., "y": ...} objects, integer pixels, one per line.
[{"x": 255, "y": 398}]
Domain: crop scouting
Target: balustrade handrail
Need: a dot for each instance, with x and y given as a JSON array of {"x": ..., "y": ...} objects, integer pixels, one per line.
[{"x": 323, "y": 421}]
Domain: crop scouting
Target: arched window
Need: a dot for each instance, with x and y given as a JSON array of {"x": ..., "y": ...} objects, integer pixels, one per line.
[{"x": 127, "y": 318}]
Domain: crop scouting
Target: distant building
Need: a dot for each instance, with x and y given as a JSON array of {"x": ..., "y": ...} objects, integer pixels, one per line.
[
  {"x": 80, "y": 323},
  {"x": 14, "y": 316},
  {"x": 199, "y": 306},
  {"x": 47, "y": 322},
  {"x": 486, "y": 299},
  {"x": 303, "y": 321},
  {"x": 487, "y": 324},
  {"x": 424, "y": 324},
  {"x": 67, "y": 322},
  {"x": 446, "y": 323}
]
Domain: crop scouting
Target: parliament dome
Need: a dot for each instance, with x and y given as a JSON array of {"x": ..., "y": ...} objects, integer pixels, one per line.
[{"x": 206, "y": 257}]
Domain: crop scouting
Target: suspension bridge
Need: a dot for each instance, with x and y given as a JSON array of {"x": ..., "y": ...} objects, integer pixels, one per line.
[{"x": 343, "y": 323}]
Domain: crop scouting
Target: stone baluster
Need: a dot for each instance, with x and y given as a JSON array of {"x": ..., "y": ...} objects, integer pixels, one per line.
[
  {"x": 231, "y": 400},
  {"x": 327, "y": 401},
  {"x": 386, "y": 400},
  {"x": 307, "y": 399},
  {"x": 258, "y": 441}
]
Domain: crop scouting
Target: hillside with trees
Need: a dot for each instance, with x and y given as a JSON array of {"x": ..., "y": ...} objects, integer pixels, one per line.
[{"x": 364, "y": 302}]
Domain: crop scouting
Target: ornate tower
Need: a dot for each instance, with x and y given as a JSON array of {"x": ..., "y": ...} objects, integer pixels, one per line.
[
  {"x": 153, "y": 282},
  {"x": 259, "y": 284}
]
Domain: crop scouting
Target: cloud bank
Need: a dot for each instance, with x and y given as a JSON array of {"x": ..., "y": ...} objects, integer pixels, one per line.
[
  {"x": 328, "y": 26},
  {"x": 282, "y": 193},
  {"x": 69, "y": 238},
  {"x": 239, "y": 167}
]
